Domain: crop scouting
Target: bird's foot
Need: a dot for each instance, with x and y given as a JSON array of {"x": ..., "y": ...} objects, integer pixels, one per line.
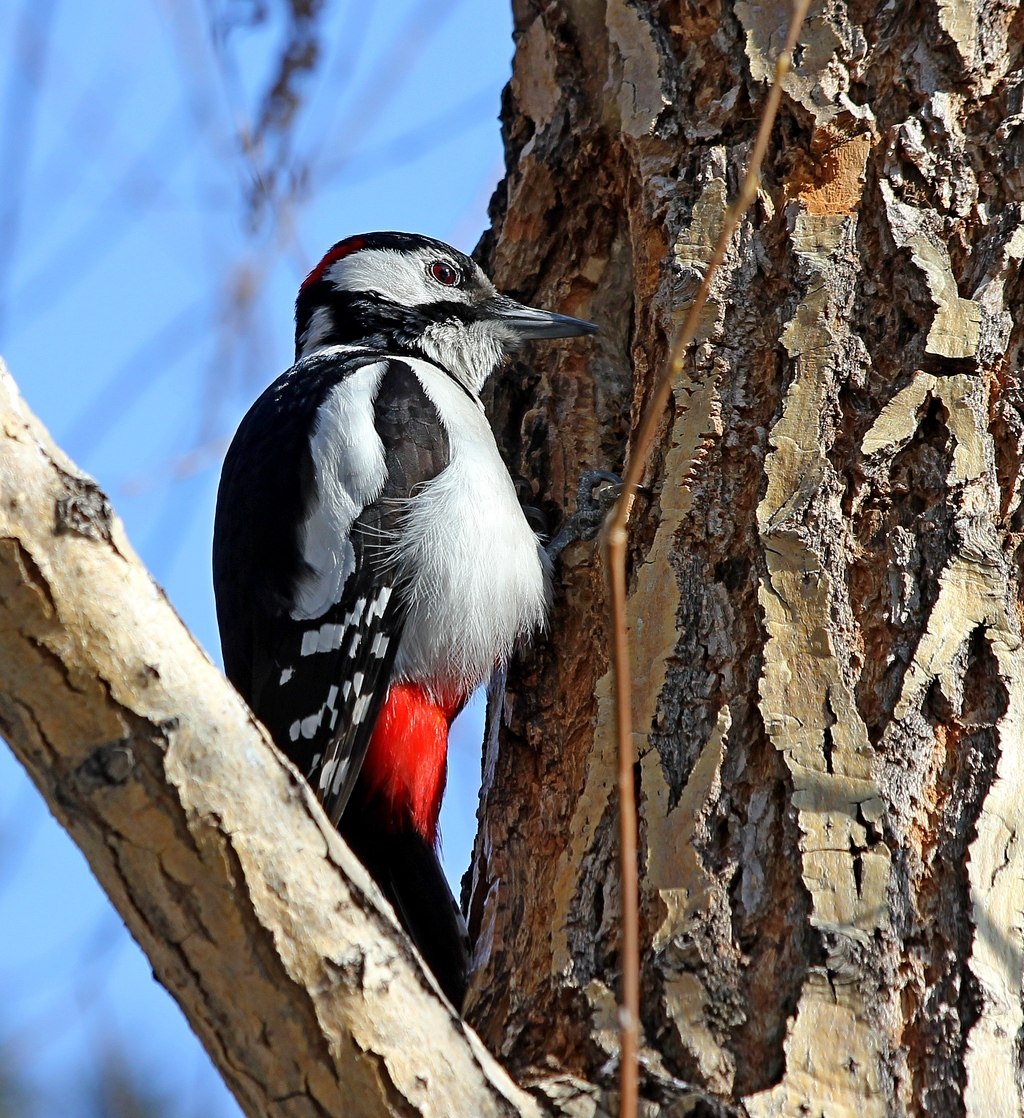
[{"x": 597, "y": 491}]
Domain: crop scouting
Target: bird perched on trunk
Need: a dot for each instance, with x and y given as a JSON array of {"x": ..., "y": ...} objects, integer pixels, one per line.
[{"x": 372, "y": 565}]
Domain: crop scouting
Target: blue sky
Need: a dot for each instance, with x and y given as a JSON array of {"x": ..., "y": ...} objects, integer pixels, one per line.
[{"x": 144, "y": 303}]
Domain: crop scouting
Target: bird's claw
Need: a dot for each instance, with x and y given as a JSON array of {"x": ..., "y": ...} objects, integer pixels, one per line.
[{"x": 597, "y": 491}]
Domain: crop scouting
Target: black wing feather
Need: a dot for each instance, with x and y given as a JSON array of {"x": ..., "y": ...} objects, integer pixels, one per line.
[{"x": 317, "y": 684}]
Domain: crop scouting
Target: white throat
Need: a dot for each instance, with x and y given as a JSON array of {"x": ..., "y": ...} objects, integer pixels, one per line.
[{"x": 470, "y": 353}]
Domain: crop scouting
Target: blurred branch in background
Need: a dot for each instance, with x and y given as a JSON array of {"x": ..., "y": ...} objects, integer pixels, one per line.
[
  {"x": 27, "y": 74},
  {"x": 169, "y": 174}
]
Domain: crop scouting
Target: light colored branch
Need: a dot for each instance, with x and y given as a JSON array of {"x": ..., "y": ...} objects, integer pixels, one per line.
[{"x": 252, "y": 911}]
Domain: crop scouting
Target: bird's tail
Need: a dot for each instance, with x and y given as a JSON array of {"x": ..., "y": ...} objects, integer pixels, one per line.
[{"x": 407, "y": 870}]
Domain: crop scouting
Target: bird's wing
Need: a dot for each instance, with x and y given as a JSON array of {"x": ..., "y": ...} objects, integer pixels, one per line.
[{"x": 308, "y": 597}]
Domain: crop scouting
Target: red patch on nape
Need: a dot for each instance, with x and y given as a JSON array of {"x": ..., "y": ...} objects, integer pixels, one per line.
[
  {"x": 406, "y": 763},
  {"x": 340, "y": 251}
]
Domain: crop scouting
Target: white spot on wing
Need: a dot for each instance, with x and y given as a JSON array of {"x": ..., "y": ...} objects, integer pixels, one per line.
[
  {"x": 379, "y": 603},
  {"x": 325, "y": 639},
  {"x": 326, "y": 773},
  {"x": 293, "y": 731},
  {"x": 330, "y": 636},
  {"x": 380, "y": 645},
  {"x": 340, "y": 771},
  {"x": 285, "y": 676},
  {"x": 359, "y": 710}
]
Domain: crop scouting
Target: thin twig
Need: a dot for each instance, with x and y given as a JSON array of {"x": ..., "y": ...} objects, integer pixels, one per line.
[{"x": 615, "y": 538}]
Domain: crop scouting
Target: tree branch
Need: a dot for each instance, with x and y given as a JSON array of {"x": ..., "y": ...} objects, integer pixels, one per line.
[{"x": 254, "y": 914}]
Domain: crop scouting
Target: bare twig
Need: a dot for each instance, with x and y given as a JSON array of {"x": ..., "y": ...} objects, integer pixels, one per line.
[
  {"x": 614, "y": 539},
  {"x": 26, "y": 81}
]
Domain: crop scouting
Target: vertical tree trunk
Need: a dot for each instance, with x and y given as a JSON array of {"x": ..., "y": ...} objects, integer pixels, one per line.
[{"x": 825, "y": 569}]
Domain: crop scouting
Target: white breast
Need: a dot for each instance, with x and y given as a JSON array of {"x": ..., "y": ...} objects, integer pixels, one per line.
[{"x": 478, "y": 579}]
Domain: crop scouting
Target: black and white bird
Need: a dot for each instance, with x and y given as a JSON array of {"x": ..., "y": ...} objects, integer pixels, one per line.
[{"x": 372, "y": 565}]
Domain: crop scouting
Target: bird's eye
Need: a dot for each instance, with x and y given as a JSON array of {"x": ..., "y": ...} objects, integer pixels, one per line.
[{"x": 445, "y": 273}]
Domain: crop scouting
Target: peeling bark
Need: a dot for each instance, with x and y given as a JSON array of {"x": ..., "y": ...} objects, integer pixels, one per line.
[{"x": 825, "y": 590}]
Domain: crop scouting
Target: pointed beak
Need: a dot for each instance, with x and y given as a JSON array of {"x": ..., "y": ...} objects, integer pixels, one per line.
[{"x": 529, "y": 324}]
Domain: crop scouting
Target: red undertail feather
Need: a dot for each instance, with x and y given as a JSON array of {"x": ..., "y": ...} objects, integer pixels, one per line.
[{"x": 406, "y": 763}]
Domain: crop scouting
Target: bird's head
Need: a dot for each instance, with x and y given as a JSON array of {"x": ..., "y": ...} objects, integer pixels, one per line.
[{"x": 401, "y": 293}]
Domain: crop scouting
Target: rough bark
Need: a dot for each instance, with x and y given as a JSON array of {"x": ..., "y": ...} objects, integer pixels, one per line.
[
  {"x": 825, "y": 582},
  {"x": 254, "y": 914}
]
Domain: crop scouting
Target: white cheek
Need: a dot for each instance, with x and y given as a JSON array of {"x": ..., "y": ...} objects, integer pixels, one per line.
[{"x": 400, "y": 277}]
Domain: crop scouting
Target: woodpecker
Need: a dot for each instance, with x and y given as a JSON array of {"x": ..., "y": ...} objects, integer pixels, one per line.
[{"x": 371, "y": 562}]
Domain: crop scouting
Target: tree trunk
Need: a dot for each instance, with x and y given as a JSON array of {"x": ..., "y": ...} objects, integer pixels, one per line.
[{"x": 825, "y": 592}]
